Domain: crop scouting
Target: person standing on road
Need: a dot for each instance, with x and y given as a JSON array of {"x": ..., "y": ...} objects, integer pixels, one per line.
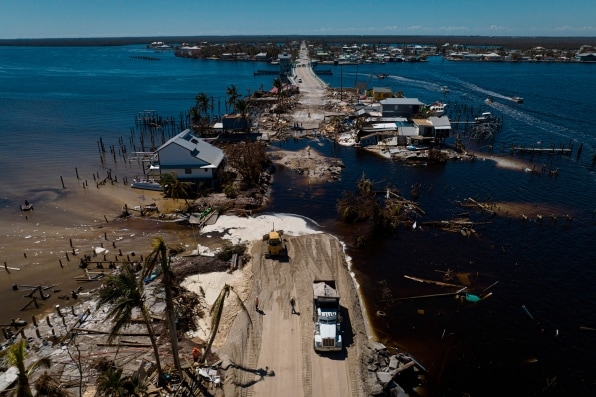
[
  {"x": 293, "y": 304},
  {"x": 256, "y": 303}
]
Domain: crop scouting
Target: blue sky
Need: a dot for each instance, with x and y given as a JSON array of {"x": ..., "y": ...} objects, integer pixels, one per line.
[{"x": 134, "y": 18}]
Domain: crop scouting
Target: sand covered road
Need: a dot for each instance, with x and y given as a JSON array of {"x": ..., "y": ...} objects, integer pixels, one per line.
[{"x": 273, "y": 351}]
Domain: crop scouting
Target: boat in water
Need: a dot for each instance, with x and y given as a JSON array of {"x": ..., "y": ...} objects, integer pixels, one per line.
[
  {"x": 445, "y": 89},
  {"x": 438, "y": 108},
  {"x": 26, "y": 206},
  {"x": 486, "y": 117},
  {"x": 517, "y": 99},
  {"x": 147, "y": 184}
]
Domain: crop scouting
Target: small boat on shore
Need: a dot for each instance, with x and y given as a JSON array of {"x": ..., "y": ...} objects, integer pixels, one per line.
[
  {"x": 415, "y": 148},
  {"x": 26, "y": 206},
  {"x": 149, "y": 184},
  {"x": 517, "y": 99}
]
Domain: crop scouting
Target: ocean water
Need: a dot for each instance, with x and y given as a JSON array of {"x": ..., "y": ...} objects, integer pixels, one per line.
[{"x": 56, "y": 103}]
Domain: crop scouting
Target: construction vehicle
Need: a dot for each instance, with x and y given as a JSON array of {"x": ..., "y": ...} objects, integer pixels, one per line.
[
  {"x": 326, "y": 316},
  {"x": 276, "y": 245}
]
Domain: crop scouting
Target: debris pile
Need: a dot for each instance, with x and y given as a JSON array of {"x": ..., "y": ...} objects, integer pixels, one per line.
[{"x": 384, "y": 368}]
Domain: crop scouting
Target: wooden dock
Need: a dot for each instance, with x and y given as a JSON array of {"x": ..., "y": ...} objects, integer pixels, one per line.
[{"x": 560, "y": 150}]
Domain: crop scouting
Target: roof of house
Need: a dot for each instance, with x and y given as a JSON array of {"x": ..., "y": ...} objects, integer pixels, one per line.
[
  {"x": 197, "y": 147},
  {"x": 401, "y": 101},
  {"x": 440, "y": 123},
  {"x": 422, "y": 122},
  {"x": 382, "y": 89}
]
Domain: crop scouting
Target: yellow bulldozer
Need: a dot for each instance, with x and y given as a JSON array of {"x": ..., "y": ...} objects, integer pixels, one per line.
[{"x": 276, "y": 245}]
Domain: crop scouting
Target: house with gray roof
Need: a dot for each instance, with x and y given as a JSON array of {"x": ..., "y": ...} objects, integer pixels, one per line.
[
  {"x": 190, "y": 158},
  {"x": 400, "y": 107}
]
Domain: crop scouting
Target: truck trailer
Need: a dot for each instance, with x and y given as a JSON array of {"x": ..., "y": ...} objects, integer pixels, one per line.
[{"x": 326, "y": 316}]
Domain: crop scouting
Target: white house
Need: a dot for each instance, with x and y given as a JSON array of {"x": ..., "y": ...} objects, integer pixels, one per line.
[{"x": 189, "y": 157}]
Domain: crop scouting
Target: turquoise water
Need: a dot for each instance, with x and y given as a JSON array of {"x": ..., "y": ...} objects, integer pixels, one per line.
[{"x": 56, "y": 103}]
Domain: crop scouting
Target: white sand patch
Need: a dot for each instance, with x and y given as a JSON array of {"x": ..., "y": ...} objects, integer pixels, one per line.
[
  {"x": 244, "y": 230},
  {"x": 211, "y": 283}
]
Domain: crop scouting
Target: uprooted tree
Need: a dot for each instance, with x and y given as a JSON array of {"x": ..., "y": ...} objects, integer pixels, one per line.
[
  {"x": 384, "y": 210},
  {"x": 249, "y": 160}
]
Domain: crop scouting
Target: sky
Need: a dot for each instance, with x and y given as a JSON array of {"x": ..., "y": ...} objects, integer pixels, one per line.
[{"x": 25, "y": 19}]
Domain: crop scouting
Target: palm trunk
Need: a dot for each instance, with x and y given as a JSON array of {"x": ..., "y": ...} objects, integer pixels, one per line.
[
  {"x": 167, "y": 281},
  {"x": 153, "y": 339}
]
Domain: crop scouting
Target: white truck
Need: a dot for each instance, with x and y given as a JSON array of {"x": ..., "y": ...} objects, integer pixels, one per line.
[{"x": 326, "y": 316}]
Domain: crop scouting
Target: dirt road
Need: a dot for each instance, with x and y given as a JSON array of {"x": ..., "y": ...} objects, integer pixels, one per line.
[{"x": 274, "y": 355}]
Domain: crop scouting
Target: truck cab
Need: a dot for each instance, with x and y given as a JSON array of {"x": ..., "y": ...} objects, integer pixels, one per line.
[
  {"x": 326, "y": 316},
  {"x": 328, "y": 330}
]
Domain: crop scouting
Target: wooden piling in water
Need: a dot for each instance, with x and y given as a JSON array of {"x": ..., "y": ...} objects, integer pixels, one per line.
[{"x": 62, "y": 180}]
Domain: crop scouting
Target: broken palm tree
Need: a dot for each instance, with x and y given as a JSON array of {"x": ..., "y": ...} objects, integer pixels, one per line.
[{"x": 385, "y": 210}]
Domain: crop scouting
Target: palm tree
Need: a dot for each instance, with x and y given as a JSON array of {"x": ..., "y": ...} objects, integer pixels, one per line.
[
  {"x": 127, "y": 294},
  {"x": 111, "y": 383},
  {"x": 243, "y": 107},
  {"x": 217, "y": 310},
  {"x": 202, "y": 107},
  {"x": 48, "y": 385},
  {"x": 136, "y": 386},
  {"x": 175, "y": 188},
  {"x": 159, "y": 257},
  {"x": 203, "y": 103},
  {"x": 233, "y": 95},
  {"x": 277, "y": 83},
  {"x": 15, "y": 356}
]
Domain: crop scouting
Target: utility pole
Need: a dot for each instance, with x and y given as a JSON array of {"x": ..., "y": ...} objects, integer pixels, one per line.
[{"x": 341, "y": 83}]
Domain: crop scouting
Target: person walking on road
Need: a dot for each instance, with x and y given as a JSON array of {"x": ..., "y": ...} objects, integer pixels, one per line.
[
  {"x": 293, "y": 304},
  {"x": 256, "y": 303}
]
